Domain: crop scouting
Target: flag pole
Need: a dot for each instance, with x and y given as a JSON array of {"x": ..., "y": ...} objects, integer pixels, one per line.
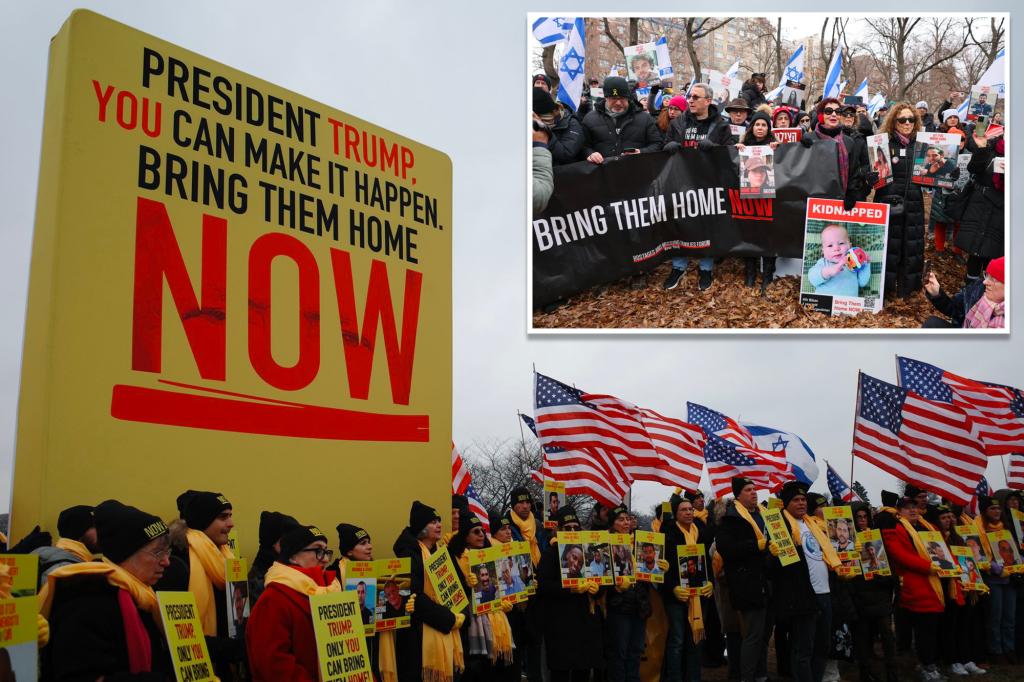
[
  {"x": 1006, "y": 476},
  {"x": 853, "y": 438}
]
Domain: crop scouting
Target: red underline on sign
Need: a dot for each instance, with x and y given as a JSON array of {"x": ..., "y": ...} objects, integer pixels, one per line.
[
  {"x": 265, "y": 416},
  {"x": 751, "y": 217}
]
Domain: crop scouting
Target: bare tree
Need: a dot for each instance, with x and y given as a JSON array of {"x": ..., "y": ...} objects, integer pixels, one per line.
[
  {"x": 548, "y": 60},
  {"x": 901, "y": 51},
  {"x": 991, "y": 46},
  {"x": 632, "y": 34},
  {"x": 695, "y": 29}
]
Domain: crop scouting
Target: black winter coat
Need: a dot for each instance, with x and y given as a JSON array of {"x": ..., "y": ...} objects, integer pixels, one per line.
[
  {"x": 567, "y": 141},
  {"x": 691, "y": 133},
  {"x": 409, "y": 641},
  {"x": 792, "y": 593},
  {"x": 752, "y": 95},
  {"x": 673, "y": 538},
  {"x": 87, "y": 638},
  {"x": 957, "y": 306},
  {"x": 981, "y": 226},
  {"x": 611, "y": 136},
  {"x": 572, "y": 634},
  {"x": 904, "y": 266},
  {"x": 745, "y": 564}
]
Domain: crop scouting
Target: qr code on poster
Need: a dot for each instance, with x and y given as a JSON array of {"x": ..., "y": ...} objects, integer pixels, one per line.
[{"x": 869, "y": 302}]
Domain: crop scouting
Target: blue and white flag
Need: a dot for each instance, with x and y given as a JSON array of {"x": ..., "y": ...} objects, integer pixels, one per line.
[
  {"x": 838, "y": 489},
  {"x": 570, "y": 67},
  {"x": 664, "y": 58},
  {"x": 876, "y": 103},
  {"x": 552, "y": 30},
  {"x": 862, "y": 91},
  {"x": 833, "y": 76},
  {"x": 961, "y": 111},
  {"x": 798, "y": 452},
  {"x": 794, "y": 71},
  {"x": 734, "y": 71},
  {"x": 995, "y": 75}
]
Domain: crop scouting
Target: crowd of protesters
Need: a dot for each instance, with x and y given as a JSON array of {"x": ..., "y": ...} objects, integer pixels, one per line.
[
  {"x": 968, "y": 220},
  {"x": 100, "y": 616}
]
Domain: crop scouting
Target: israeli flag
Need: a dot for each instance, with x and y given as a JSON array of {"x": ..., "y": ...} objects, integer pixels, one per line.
[
  {"x": 734, "y": 71},
  {"x": 570, "y": 66},
  {"x": 961, "y": 111},
  {"x": 798, "y": 452},
  {"x": 833, "y": 85},
  {"x": 551, "y": 30},
  {"x": 664, "y": 59},
  {"x": 794, "y": 71},
  {"x": 862, "y": 91},
  {"x": 876, "y": 103},
  {"x": 995, "y": 75}
]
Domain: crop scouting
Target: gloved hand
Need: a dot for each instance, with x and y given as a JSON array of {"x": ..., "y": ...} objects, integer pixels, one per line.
[
  {"x": 707, "y": 590},
  {"x": 933, "y": 568},
  {"x": 705, "y": 144},
  {"x": 472, "y": 580},
  {"x": 680, "y": 594},
  {"x": 761, "y": 544},
  {"x": 995, "y": 569},
  {"x": 43, "y": 634},
  {"x": 847, "y": 575},
  {"x": 621, "y": 586},
  {"x": 663, "y": 565},
  {"x": 773, "y": 549},
  {"x": 672, "y": 146},
  {"x": 34, "y": 540},
  {"x": 593, "y": 588},
  {"x": 460, "y": 618},
  {"x": 410, "y": 604},
  {"x": 806, "y": 140},
  {"x": 507, "y": 606},
  {"x": 872, "y": 178},
  {"x": 578, "y": 588}
]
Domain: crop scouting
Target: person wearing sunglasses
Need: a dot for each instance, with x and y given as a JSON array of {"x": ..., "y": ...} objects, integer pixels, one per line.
[
  {"x": 855, "y": 173},
  {"x": 904, "y": 266},
  {"x": 104, "y": 614},
  {"x": 279, "y": 635}
]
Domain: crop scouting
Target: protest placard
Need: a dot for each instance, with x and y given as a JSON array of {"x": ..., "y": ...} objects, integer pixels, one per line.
[
  {"x": 18, "y": 638},
  {"x": 236, "y": 594},
  {"x": 184, "y": 633},
  {"x": 554, "y": 497},
  {"x": 623, "y": 560},
  {"x": 878, "y": 158},
  {"x": 778, "y": 531},
  {"x": 693, "y": 571},
  {"x": 935, "y": 157},
  {"x": 445, "y": 581},
  {"x": 873, "y": 559},
  {"x": 972, "y": 539},
  {"x": 649, "y": 548},
  {"x": 839, "y": 521},
  {"x": 487, "y": 594},
  {"x": 340, "y": 642},
  {"x": 24, "y": 572}
]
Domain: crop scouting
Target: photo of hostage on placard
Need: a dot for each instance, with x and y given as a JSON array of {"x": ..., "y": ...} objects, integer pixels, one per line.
[
  {"x": 757, "y": 172},
  {"x": 366, "y": 593},
  {"x": 237, "y": 594},
  {"x": 935, "y": 157},
  {"x": 983, "y": 102},
  {"x": 598, "y": 562},
  {"x": 692, "y": 567},
  {"x": 878, "y": 158},
  {"x": 391, "y": 599},
  {"x": 844, "y": 257},
  {"x": 524, "y": 567},
  {"x": 554, "y": 496},
  {"x": 649, "y": 549},
  {"x": 572, "y": 562},
  {"x": 486, "y": 590},
  {"x": 873, "y": 560},
  {"x": 642, "y": 64},
  {"x": 509, "y": 579},
  {"x": 623, "y": 558},
  {"x": 939, "y": 554}
]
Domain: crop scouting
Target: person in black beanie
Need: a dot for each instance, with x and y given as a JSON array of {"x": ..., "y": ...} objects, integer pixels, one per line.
[
  {"x": 87, "y": 604},
  {"x": 460, "y": 508},
  {"x": 76, "y": 541},
  {"x": 566, "y": 131},
  {"x": 273, "y": 525}
]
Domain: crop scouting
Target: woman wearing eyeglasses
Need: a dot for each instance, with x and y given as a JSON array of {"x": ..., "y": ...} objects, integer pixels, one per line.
[
  {"x": 104, "y": 614},
  {"x": 904, "y": 265},
  {"x": 279, "y": 635}
]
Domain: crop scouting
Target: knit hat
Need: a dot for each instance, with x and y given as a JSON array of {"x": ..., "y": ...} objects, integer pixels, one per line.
[
  {"x": 921, "y": 105},
  {"x": 541, "y": 76},
  {"x": 790, "y": 490},
  {"x": 679, "y": 102},
  {"x": 498, "y": 521},
  {"x": 997, "y": 269},
  {"x": 674, "y": 501},
  {"x": 737, "y": 104},
  {"x": 349, "y": 536},
  {"x": 296, "y": 539},
  {"x": 889, "y": 498},
  {"x": 906, "y": 502},
  {"x": 912, "y": 490},
  {"x": 542, "y": 102},
  {"x": 273, "y": 525},
  {"x": 520, "y": 494},
  {"x": 949, "y": 112},
  {"x": 459, "y": 502},
  {"x": 567, "y": 515},
  {"x": 935, "y": 511},
  {"x": 420, "y": 515},
  {"x": 123, "y": 530},
  {"x": 615, "y": 86},
  {"x": 615, "y": 511},
  {"x": 783, "y": 109},
  {"x": 74, "y": 522},
  {"x": 692, "y": 495},
  {"x": 739, "y": 483},
  {"x": 986, "y": 501},
  {"x": 468, "y": 523},
  {"x": 815, "y": 500},
  {"x": 201, "y": 508}
]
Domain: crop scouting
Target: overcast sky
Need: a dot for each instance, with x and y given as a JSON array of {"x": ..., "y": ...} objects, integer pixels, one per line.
[{"x": 458, "y": 85}]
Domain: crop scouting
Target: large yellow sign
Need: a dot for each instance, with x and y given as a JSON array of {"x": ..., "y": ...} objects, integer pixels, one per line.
[{"x": 233, "y": 288}]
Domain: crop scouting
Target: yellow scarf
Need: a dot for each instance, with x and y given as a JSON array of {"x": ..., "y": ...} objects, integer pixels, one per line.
[
  {"x": 933, "y": 580},
  {"x": 206, "y": 574},
  {"x": 442, "y": 651},
  {"x": 297, "y": 580},
  {"x": 966, "y": 519},
  {"x": 745, "y": 515},
  {"x": 656, "y": 525},
  {"x": 529, "y": 530},
  {"x": 827, "y": 550},
  {"x": 694, "y": 615},
  {"x": 927, "y": 526},
  {"x": 74, "y": 547},
  {"x": 141, "y": 593},
  {"x": 984, "y": 528},
  {"x": 500, "y": 629},
  {"x": 702, "y": 515}
]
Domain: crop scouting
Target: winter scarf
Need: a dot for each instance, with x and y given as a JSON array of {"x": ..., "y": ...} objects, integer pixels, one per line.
[
  {"x": 984, "y": 528},
  {"x": 295, "y": 579},
  {"x": 695, "y": 616},
  {"x": 74, "y": 547},
  {"x": 490, "y": 634},
  {"x": 745, "y": 515},
  {"x": 933, "y": 580},
  {"x": 836, "y": 135},
  {"x": 827, "y": 550},
  {"x": 985, "y": 315},
  {"x": 702, "y": 515},
  {"x": 206, "y": 574},
  {"x": 529, "y": 530},
  {"x": 442, "y": 651}
]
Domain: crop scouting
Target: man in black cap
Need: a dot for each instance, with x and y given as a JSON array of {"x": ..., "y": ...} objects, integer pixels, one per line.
[
  {"x": 88, "y": 604},
  {"x": 618, "y": 125},
  {"x": 742, "y": 542},
  {"x": 542, "y": 81},
  {"x": 273, "y": 525},
  {"x": 76, "y": 541}
]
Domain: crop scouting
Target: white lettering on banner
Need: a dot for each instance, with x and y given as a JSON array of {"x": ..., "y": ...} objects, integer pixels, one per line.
[
  {"x": 577, "y": 225},
  {"x": 642, "y": 212},
  {"x": 698, "y": 202}
]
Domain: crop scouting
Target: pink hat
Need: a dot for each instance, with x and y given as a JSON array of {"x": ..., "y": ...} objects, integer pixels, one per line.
[
  {"x": 997, "y": 269},
  {"x": 679, "y": 102}
]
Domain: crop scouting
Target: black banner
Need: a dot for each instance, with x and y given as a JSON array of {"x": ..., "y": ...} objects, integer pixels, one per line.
[{"x": 626, "y": 216}]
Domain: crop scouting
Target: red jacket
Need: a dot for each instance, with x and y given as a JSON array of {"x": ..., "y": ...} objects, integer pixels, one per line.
[
  {"x": 279, "y": 636},
  {"x": 916, "y": 593}
]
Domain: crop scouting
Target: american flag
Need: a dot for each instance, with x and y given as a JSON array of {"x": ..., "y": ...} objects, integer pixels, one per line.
[
  {"x": 997, "y": 410},
  {"x": 676, "y": 455},
  {"x": 462, "y": 484},
  {"x": 1015, "y": 474},
  {"x": 838, "y": 489},
  {"x": 979, "y": 492},
  {"x": 594, "y": 473},
  {"x": 933, "y": 445},
  {"x": 770, "y": 468},
  {"x": 726, "y": 461}
]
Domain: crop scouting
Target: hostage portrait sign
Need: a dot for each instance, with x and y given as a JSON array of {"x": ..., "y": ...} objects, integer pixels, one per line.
[
  {"x": 223, "y": 266},
  {"x": 627, "y": 215}
]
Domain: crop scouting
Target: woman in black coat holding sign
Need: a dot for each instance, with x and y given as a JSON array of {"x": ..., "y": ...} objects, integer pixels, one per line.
[
  {"x": 981, "y": 232},
  {"x": 904, "y": 260}
]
